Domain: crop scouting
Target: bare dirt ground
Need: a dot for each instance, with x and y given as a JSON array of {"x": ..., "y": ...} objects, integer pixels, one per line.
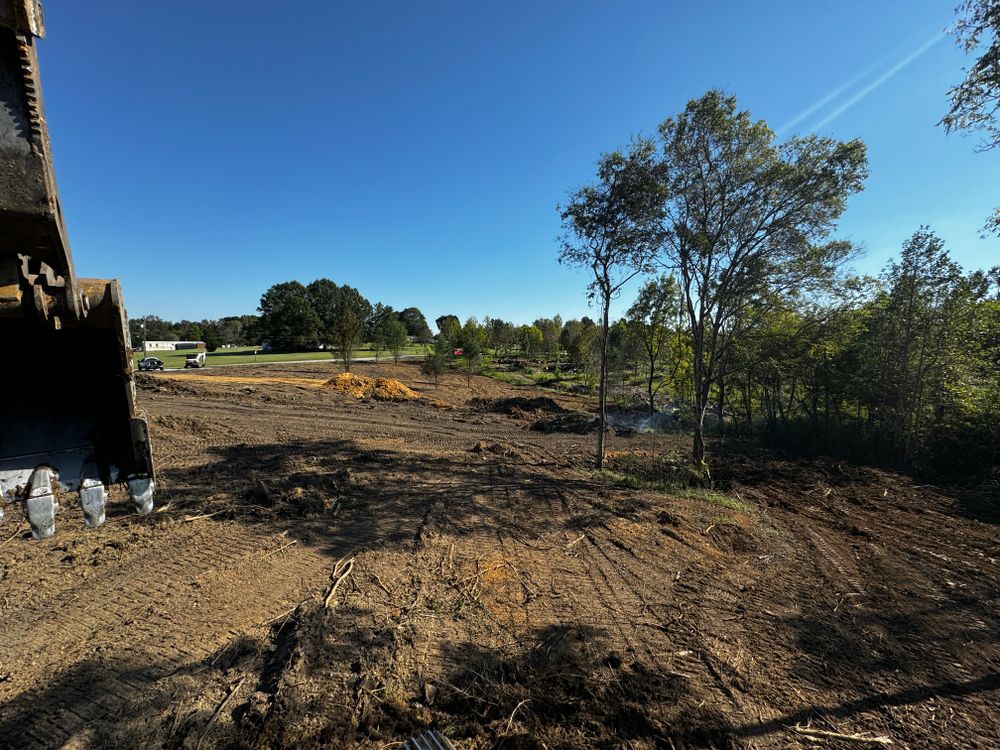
[{"x": 500, "y": 592}]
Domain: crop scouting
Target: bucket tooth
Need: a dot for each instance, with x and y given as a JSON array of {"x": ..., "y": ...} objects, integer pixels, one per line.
[
  {"x": 141, "y": 490},
  {"x": 41, "y": 505},
  {"x": 93, "y": 501}
]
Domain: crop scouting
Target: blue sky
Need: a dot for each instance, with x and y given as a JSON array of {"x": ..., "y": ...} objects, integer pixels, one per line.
[{"x": 206, "y": 150}]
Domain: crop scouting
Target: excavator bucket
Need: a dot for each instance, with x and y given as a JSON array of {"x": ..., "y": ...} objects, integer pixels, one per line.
[{"x": 69, "y": 422}]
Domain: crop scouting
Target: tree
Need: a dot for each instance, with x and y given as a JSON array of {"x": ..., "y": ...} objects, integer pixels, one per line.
[
  {"x": 530, "y": 340},
  {"x": 612, "y": 228},
  {"x": 449, "y": 328},
  {"x": 551, "y": 329},
  {"x": 416, "y": 324},
  {"x": 650, "y": 317},
  {"x": 451, "y": 322},
  {"x": 346, "y": 336},
  {"x": 743, "y": 220},
  {"x": 500, "y": 336},
  {"x": 332, "y": 303},
  {"x": 975, "y": 102},
  {"x": 436, "y": 362},
  {"x": 394, "y": 335},
  {"x": 324, "y": 296},
  {"x": 921, "y": 343},
  {"x": 471, "y": 339},
  {"x": 288, "y": 318},
  {"x": 376, "y": 318}
]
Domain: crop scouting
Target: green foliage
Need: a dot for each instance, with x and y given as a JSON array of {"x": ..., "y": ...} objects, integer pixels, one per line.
[
  {"x": 345, "y": 334},
  {"x": 651, "y": 320},
  {"x": 416, "y": 324},
  {"x": 530, "y": 339},
  {"x": 472, "y": 341},
  {"x": 288, "y": 318},
  {"x": 393, "y": 333},
  {"x": 975, "y": 102},
  {"x": 448, "y": 325},
  {"x": 435, "y": 364},
  {"x": 747, "y": 222},
  {"x": 376, "y": 320},
  {"x": 612, "y": 227}
]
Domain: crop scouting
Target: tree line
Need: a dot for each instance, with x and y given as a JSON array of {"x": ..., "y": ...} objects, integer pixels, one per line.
[
  {"x": 233, "y": 330},
  {"x": 296, "y": 317},
  {"x": 771, "y": 330}
]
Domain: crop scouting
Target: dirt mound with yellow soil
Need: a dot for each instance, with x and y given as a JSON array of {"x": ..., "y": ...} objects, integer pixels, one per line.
[{"x": 380, "y": 389}]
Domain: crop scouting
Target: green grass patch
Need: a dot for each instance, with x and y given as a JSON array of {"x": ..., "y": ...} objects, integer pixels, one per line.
[
  {"x": 674, "y": 489},
  {"x": 245, "y": 355}
]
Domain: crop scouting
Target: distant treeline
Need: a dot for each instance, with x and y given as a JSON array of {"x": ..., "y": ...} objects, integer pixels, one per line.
[{"x": 233, "y": 330}]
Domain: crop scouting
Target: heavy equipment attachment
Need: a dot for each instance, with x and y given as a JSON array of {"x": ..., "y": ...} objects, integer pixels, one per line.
[{"x": 68, "y": 421}]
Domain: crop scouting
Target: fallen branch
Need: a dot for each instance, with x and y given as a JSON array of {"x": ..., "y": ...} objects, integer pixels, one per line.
[
  {"x": 188, "y": 519},
  {"x": 510, "y": 721},
  {"x": 578, "y": 539},
  {"x": 276, "y": 551},
  {"x": 855, "y": 738},
  {"x": 341, "y": 571},
  {"x": 286, "y": 614},
  {"x": 218, "y": 710},
  {"x": 17, "y": 531},
  {"x": 382, "y": 586}
]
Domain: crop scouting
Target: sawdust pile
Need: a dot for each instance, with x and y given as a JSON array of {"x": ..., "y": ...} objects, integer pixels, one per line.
[{"x": 380, "y": 389}]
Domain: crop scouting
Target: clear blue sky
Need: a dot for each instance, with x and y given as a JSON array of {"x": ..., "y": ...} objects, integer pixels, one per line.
[{"x": 206, "y": 150}]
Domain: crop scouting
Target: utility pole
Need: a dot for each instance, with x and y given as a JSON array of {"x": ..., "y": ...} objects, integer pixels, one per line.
[{"x": 144, "y": 352}]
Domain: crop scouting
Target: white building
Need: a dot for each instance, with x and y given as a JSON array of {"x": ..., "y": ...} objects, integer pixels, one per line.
[{"x": 169, "y": 346}]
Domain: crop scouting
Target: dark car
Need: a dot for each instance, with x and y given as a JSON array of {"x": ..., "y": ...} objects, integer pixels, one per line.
[{"x": 150, "y": 363}]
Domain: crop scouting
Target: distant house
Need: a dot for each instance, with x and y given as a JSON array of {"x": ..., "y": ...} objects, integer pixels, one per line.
[{"x": 170, "y": 346}]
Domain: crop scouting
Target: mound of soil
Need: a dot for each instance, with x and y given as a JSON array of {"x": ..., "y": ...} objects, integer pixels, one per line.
[
  {"x": 380, "y": 389},
  {"x": 578, "y": 423},
  {"x": 518, "y": 406}
]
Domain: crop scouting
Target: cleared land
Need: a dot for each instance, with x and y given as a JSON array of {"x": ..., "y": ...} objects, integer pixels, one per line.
[{"x": 500, "y": 591}]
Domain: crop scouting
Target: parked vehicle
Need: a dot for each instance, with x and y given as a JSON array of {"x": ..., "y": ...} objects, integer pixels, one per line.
[
  {"x": 150, "y": 363},
  {"x": 195, "y": 360}
]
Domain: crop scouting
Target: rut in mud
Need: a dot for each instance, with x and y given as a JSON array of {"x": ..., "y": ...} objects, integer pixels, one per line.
[{"x": 500, "y": 592}]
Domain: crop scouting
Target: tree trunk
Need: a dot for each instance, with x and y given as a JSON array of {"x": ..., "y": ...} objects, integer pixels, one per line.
[
  {"x": 701, "y": 403},
  {"x": 722, "y": 400},
  {"x": 649, "y": 384},
  {"x": 603, "y": 385}
]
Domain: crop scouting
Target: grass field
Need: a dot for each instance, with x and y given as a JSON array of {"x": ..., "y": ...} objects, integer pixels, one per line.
[{"x": 251, "y": 355}]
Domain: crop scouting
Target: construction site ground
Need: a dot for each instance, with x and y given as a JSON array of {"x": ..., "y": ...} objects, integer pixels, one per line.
[{"x": 325, "y": 570}]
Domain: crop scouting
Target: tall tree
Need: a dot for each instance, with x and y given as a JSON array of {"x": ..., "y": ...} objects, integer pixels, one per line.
[
  {"x": 376, "y": 318},
  {"x": 288, "y": 318},
  {"x": 394, "y": 335},
  {"x": 451, "y": 322},
  {"x": 472, "y": 339},
  {"x": 529, "y": 338},
  {"x": 612, "y": 228},
  {"x": 416, "y": 324},
  {"x": 745, "y": 223},
  {"x": 921, "y": 345},
  {"x": 551, "y": 329},
  {"x": 346, "y": 336},
  {"x": 650, "y": 317},
  {"x": 975, "y": 102}
]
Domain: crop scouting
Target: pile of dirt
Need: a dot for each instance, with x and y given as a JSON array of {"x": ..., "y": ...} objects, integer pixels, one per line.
[
  {"x": 299, "y": 495},
  {"x": 575, "y": 422},
  {"x": 518, "y": 406},
  {"x": 380, "y": 389}
]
